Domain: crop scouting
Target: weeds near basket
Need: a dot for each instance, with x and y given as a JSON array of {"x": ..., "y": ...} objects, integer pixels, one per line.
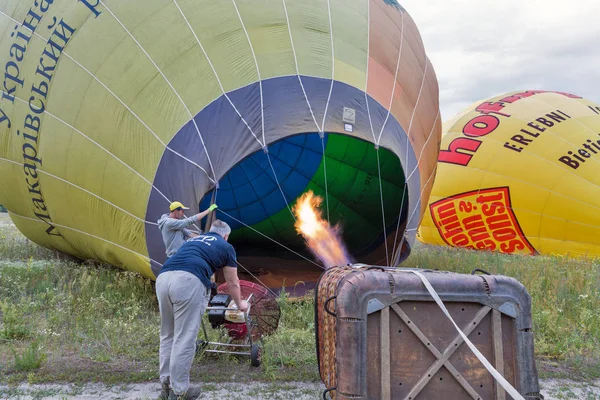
[
  {"x": 14, "y": 327},
  {"x": 102, "y": 323},
  {"x": 565, "y": 297},
  {"x": 30, "y": 358}
]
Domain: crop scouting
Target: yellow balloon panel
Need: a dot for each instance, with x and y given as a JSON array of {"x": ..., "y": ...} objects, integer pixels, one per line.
[
  {"x": 112, "y": 109},
  {"x": 309, "y": 26},
  {"x": 519, "y": 173},
  {"x": 351, "y": 48}
]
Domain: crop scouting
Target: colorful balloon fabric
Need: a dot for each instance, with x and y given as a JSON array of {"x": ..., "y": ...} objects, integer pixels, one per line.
[
  {"x": 519, "y": 173},
  {"x": 112, "y": 109}
]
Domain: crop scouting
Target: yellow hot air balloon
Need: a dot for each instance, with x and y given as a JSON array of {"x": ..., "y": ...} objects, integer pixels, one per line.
[
  {"x": 112, "y": 109},
  {"x": 519, "y": 173}
]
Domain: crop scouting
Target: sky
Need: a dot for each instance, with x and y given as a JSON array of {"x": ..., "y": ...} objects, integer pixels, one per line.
[{"x": 481, "y": 49}]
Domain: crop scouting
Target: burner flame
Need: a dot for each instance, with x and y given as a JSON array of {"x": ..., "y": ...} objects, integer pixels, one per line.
[{"x": 322, "y": 239}]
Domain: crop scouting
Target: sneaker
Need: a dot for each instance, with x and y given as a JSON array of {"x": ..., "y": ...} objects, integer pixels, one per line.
[
  {"x": 192, "y": 393},
  {"x": 165, "y": 390}
]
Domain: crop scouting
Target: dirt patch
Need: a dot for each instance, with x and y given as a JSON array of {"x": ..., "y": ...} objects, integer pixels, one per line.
[
  {"x": 144, "y": 391},
  {"x": 560, "y": 389},
  {"x": 219, "y": 379},
  {"x": 553, "y": 389},
  {"x": 5, "y": 219}
]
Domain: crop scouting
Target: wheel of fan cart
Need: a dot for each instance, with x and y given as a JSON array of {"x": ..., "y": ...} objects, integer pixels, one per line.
[
  {"x": 255, "y": 355},
  {"x": 264, "y": 309}
]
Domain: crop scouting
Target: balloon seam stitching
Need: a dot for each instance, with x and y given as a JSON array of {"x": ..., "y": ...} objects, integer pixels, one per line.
[{"x": 168, "y": 83}]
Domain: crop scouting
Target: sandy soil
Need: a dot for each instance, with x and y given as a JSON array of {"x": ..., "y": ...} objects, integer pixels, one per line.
[
  {"x": 5, "y": 219},
  {"x": 552, "y": 389}
]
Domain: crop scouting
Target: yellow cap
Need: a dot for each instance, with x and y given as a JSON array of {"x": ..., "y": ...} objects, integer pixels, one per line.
[{"x": 175, "y": 205}]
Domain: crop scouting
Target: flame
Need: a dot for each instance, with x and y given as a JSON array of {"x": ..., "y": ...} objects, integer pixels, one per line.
[{"x": 322, "y": 239}]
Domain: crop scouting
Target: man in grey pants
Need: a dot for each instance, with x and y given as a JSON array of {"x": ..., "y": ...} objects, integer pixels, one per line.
[
  {"x": 173, "y": 226},
  {"x": 182, "y": 287}
]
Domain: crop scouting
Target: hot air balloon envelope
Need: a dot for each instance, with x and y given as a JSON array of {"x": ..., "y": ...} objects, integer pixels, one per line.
[
  {"x": 113, "y": 109},
  {"x": 518, "y": 173}
]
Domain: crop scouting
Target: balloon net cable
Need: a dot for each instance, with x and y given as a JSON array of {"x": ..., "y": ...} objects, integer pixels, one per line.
[
  {"x": 373, "y": 134},
  {"x": 256, "y": 277},
  {"x": 394, "y": 83},
  {"x": 168, "y": 83},
  {"x": 279, "y": 185},
  {"x": 367, "y": 71},
  {"x": 145, "y": 257},
  {"x": 84, "y": 190},
  {"x": 64, "y": 53},
  {"x": 325, "y": 174},
  {"x": 287, "y": 18},
  {"x": 387, "y": 257},
  {"x": 262, "y": 112},
  {"x": 322, "y": 127},
  {"x": 97, "y": 145},
  {"x": 431, "y": 175},
  {"x": 398, "y": 249},
  {"x": 271, "y": 239}
]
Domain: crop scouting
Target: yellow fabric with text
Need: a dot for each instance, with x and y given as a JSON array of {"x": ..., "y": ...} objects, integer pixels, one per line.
[{"x": 519, "y": 173}]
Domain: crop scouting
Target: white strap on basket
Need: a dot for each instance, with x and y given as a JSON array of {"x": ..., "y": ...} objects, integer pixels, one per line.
[{"x": 503, "y": 382}]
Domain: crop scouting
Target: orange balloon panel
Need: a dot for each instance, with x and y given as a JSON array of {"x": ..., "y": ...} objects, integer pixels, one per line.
[{"x": 519, "y": 173}]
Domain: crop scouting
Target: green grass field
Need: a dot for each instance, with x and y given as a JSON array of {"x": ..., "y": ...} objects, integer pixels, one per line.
[{"x": 68, "y": 322}]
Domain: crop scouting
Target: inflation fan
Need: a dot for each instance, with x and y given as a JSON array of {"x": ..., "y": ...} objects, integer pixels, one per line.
[{"x": 240, "y": 332}]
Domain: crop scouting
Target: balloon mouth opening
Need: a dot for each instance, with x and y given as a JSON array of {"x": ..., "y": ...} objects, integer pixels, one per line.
[{"x": 363, "y": 190}]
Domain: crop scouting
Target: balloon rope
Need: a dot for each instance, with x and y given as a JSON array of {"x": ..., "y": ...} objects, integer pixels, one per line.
[
  {"x": 367, "y": 70},
  {"x": 287, "y": 18},
  {"x": 98, "y": 145},
  {"x": 168, "y": 83},
  {"x": 394, "y": 83},
  {"x": 84, "y": 190},
  {"x": 273, "y": 240},
  {"x": 322, "y": 130},
  {"x": 325, "y": 173},
  {"x": 332, "y": 68},
  {"x": 81, "y": 232},
  {"x": 387, "y": 257},
  {"x": 211, "y": 216},
  {"x": 415, "y": 169},
  {"x": 256, "y": 277},
  {"x": 278, "y": 185},
  {"x": 417, "y": 208},
  {"x": 398, "y": 250},
  {"x": 262, "y": 110},
  {"x": 64, "y": 53},
  {"x": 431, "y": 175}
]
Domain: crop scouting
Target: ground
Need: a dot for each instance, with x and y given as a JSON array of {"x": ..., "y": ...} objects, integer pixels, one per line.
[
  {"x": 553, "y": 389},
  {"x": 243, "y": 386}
]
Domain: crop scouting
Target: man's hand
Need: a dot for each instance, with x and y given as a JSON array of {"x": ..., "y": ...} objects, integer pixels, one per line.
[
  {"x": 206, "y": 212},
  {"x": 233, "y": 284},
  {"x": 243, "y": 306}
]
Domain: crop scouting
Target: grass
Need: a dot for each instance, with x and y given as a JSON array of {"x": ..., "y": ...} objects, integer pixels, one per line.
[
  {"x": 565, "y": 296},
  {"x": 62, "y": 321}
]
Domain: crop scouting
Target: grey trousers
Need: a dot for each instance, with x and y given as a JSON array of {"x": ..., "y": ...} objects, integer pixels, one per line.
[{"x": 182, "y": 300}]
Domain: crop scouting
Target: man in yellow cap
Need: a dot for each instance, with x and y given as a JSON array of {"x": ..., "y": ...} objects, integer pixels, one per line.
[{"x": 173, "y": 226}]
